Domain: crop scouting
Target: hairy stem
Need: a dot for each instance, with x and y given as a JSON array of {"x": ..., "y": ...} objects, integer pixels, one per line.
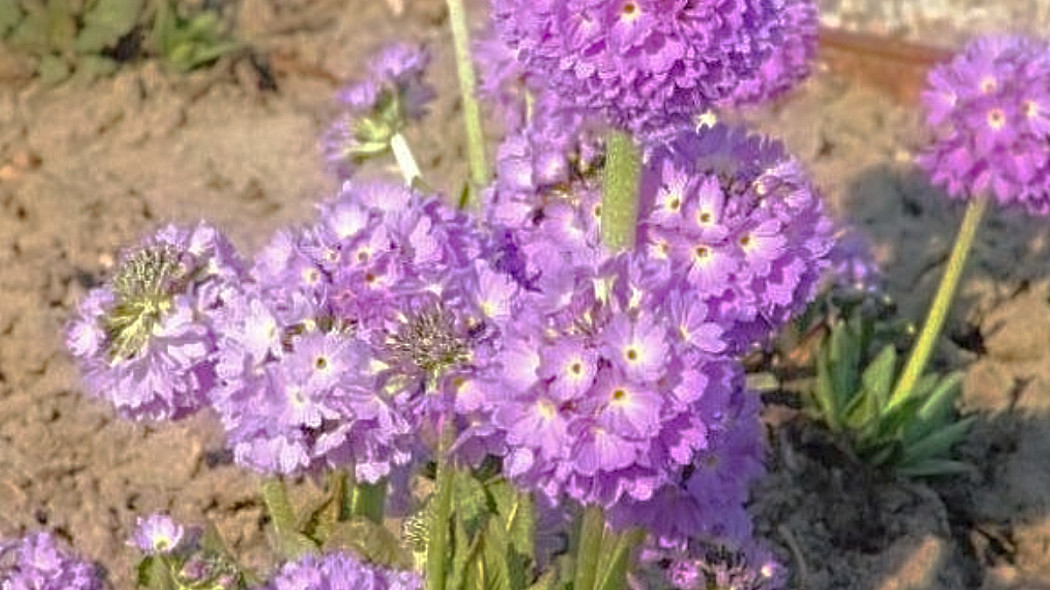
[
  {"x": 479, "y": 170},
  {"x": 437, "y": 546},
  {"x": 620, "y": 183}
]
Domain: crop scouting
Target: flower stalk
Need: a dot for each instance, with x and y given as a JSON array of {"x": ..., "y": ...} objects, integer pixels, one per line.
[
  {"x": 479, "y": 170},
  {"x": 437, "y": 547},
  {"x": 942, "y": 301}
]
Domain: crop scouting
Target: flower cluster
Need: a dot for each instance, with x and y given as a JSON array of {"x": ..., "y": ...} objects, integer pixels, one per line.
[
  {"x": 340, "y": 571},
  {"x": 989, "y": 109},
  {"x": 146, "y": 340},
  {"x": 37, "y": 562},
  {"x": 357, "y": 331},
  {"x": 376, "y": 109},
  {"x": 734, "y": 219},
  {"x": 639, "y": 63},
  {"x": 789, "y": 64},
  {"x": 602, "y": 400}
]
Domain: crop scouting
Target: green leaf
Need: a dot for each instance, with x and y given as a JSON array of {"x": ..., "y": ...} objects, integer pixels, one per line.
[
  {"x": 317, "y": 519},
  {"x": 495, "y": 556},
  {"x": 371, "y": 541},
  {"x": 61, "y": 26},
  {"x": 463, "y": 548},
  {"x": 942, "y": 397},
  {"x": 878, "y": 378},
  {"x": 516, "y": 514},
  {"x": 613, "y": 573},
  {"x": 937, "y": 444},
  {"x": 471, "y": 501},
  {"x": 824, "y": 394},
  {"x": 154, "y": 573},
  {"x": 548, "y": 581},
  {"x": 53, "y": 69},
  {"x": 106, "y": 22},
  {"x": 845, "y": 362},
  {"x": 31, "y": 34},
  {"x": 936, "y": 468},
  {"x": 10, "y": 16},
  {"x": 861, "y": 411},
  {"x": 290, "y": 543},
  {"x": 95, "y": 66},
  {"x": 165, "y": 23}
]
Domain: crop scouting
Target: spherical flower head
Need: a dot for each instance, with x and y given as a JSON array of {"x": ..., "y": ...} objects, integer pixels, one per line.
[
  {"x": 378, "y": 108},
  {"x": 157, "y": 534},
  {"x": 639, "y": 63},
  {"x": 735, "y": 218},
  {"x": 37, "y": 562},
  {"x": 596, "y": 402},
  {"x": 789, "y": 64},
  {"x": 989, "y": 112},
  {"x": 341, "y": 571},
  {"x": 298, "y": 397},
  {"x": 145, "y": 341}
]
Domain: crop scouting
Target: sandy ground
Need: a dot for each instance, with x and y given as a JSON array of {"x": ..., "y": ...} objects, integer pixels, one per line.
[{"x": 86, "y": 169}]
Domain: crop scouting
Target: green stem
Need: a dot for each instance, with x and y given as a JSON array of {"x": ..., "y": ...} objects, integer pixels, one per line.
[
  {"x": 370, "y": 500},
  {"x": 620, "y": 183},
  {"x": 479, "y": 170},
  {"x": 437, "y": 546},
  {"x": 344, "y": 482},
  {"x": 589, "y": 549},
  {"x": 923, "y": 347}
]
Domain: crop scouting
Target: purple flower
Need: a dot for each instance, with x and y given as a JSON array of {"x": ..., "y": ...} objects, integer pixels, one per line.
[
  {"x": 377, "y": 108},
  {"x": 599, "y": 400},
  {"x": 145, "y": 341},
  {"x": 641, "y": 63},
  {"x": 341, "y": 571},
  {"x": 734, "y": 219},
  {"x": 853, "y": 265},
  {"x": 297, "y": 396},
  {"x": 719, "y": 566},
  {"x": 791, "y": 61},
  {"x": 36, "y": 562},
  {"x": 157, "y": 534},
  {"x": 707, "y": 501},
  {"x": 989, "y": 111}
]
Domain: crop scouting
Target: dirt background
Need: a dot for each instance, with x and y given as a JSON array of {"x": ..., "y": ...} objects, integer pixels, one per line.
[{"x": 86, "y": 168}]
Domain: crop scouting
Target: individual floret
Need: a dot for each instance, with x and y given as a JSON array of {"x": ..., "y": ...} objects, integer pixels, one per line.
[{"x": 157, "y": 534}]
